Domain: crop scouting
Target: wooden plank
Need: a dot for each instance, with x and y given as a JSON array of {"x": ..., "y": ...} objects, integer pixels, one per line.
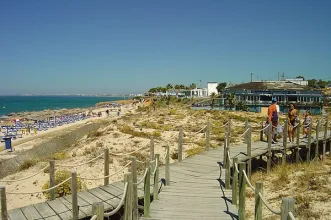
[
  {"x": 44, "y": 210},
  {"x": 53, "y": 218},
  {"x": 90, "y": 198},
  {"x": 30, "y": 212},
  {"x": 16, "y": 214},
  {"x": 83, "y": 206},
  {"x": 57, "y": 206},
  {"x": 113, "y": 190}
]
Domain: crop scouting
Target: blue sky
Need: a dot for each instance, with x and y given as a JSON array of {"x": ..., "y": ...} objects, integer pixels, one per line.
[{"x": 129, "y": 46}]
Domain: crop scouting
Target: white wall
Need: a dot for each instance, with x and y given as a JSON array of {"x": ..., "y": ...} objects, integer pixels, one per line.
[{"x": 211, "y": 86}]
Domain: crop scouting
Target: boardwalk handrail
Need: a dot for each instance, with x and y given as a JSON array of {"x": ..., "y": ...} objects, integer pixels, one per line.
[
  {"x": 41, "y": 191},
  {"x": 120, "y": 203},
  {"x": 28, "y": 177},
  {"x": 100, "y": 178},
  {"x": 80, "y": 164},
  {"x": 265, "y": 202}
]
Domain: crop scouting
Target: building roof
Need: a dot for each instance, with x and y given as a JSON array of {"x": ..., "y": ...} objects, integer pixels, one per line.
[{"x": 270, "y": 85}]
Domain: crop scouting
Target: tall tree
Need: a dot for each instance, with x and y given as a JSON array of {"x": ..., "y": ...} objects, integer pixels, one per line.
[
  {"x": 193, "y": 86},
  {"x": 220, "y": 87},
  {"x": 169, "y": 86}
]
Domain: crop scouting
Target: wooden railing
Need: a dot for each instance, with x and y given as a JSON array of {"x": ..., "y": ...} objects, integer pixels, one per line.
[{"x": 241, "y": 178}]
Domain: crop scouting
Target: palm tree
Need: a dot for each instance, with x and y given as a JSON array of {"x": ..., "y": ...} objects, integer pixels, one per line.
[
  {"x": 169, "y": 86},
  {"x": 193, "y": 86},
  {"x": 213, "y": 95}
]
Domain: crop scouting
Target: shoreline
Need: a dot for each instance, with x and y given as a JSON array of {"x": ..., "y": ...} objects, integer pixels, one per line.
[{"x": 57, "y": 109}]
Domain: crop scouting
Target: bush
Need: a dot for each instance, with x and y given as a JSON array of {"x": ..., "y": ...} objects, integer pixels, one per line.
[
  {"x": 94, "y": 134},
  {"x": 27, "y": 164},
  {"x": 64, "y": 189},
  {"x": 156, "y": 133},
  {"x": 194, "y": 151},
  {"x": 60, "y": 156}
]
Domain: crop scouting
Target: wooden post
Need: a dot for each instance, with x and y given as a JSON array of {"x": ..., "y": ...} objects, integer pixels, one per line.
[
  {"x": 208, "y": 135},
  {"x": 317, "y": 139},
  {"x": 229, "y": 132},
  {"x": 167, "y": 166},
  {"x": 242, "y": 191},
  {"x": 147, "y": 192},
  {"x": 269, "y": 132},
  {"x": 249, "y": 151},
  {"x": 156, "y": 178},
  {"x": 235, "y": 183},
  {"x": 261, "y": 132},
  {"x": 52, "y": 179},
  {"x": 297, "y": 155},
  {"x": 74, "y": 197},
  {"x": 180, "y": 144},
  {"x": 227, "y": 170},
  {"x": 3, "y": 200},
  {"x": 309, "y": 142},
  {"x": 106, "y": 166},
  {"x": 128, "y": 197},
  {"x": 134, "y": 188},
  {"x": 246, "y": 126},
  {"x": 325, "y": 137},
  {"x": 151, "y": 151},
  {"x": 226, "y": 145},
  {"x": 284, "y": 142},
  {"x": 258, "y": 200},
  {"x": 287, "y": 206},
  {"x": 98, "y": 209}
]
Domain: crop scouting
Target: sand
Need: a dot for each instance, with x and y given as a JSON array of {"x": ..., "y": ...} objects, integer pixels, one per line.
[{"x": 113, "y": 136}]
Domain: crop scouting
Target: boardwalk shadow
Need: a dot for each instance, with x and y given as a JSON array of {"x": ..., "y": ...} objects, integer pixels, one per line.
[{"x": 226, "y": 201}]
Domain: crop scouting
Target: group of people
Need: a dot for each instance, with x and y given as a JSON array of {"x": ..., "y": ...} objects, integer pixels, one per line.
[{"x": 292, "y": 120}]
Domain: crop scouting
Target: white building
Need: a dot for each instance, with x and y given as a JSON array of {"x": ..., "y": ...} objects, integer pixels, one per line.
[
  {"x": 299, "y": 81},
  {"x": 211, "y": 87},
  {"x": 199, "y": 92}
]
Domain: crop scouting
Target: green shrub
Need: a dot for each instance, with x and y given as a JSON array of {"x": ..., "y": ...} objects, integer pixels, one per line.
[
  {"x": 27, "y": 164},
  {"x": 64, "y": 189},
  {"x": 60, "y": 156},
  {"x": 194, "y": 151}
]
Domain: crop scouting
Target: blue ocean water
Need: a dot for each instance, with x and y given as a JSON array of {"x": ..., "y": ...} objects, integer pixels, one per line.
[{"x": 9, "y": 104}]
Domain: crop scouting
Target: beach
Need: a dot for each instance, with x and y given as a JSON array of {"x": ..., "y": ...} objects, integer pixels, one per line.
[{"x": 131, "y": 131}]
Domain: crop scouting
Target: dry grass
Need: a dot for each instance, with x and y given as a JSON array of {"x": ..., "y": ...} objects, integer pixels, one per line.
[
  {"x": 308, "y": 183},
  {"x": 27, "y": 164}
]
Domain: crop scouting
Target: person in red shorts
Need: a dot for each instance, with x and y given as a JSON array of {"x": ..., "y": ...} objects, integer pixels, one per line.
[{"x": 273, "y": 119}]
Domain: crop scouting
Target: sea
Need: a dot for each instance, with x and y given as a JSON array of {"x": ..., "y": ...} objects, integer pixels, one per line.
[{"x": 10, "y": 104}]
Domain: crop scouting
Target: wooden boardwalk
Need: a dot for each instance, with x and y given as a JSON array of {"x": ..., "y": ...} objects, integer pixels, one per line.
[{"x": 196, "y": 190}]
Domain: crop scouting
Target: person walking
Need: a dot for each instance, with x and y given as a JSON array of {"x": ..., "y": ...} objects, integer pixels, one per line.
[
  {"x": 293, "y": 119},
  {"x": 273, "y": 119}
]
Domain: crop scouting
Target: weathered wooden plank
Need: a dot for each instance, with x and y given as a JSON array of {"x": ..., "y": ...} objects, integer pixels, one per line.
[
  {"x": 57, "y": 206},
  {"x": 16, "y": 214},
  {"x": 55, "y": 217},
  {"x": 115, "y": 191},
  {"x": 84, "y": 207},
  {"x": 30, "y": 212},
  {"x": 44, "y": 210},
  {"x": 90, "y": 198}
]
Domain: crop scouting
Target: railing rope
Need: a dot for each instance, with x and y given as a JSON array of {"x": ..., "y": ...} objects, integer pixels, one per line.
[
  {"x": 108, "y": 214},
  {"x": 156, "y": 178}
]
